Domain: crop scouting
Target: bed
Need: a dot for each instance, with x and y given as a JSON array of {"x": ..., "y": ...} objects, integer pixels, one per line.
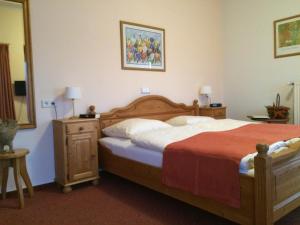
[{"x": 267, "y": 196}]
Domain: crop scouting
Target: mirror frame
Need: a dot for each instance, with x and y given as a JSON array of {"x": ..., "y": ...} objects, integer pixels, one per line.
[{"x": 28, "y": 59}]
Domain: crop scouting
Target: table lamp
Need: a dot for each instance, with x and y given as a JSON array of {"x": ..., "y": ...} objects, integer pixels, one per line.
[
  {"x": 73, "y": 93},
  {"x": 206, "y": 91}
]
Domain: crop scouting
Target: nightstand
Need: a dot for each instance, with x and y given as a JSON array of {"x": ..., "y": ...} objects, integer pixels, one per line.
[
  {"x": 75, "y": 148},
  {"x": 215, "y": 112}
]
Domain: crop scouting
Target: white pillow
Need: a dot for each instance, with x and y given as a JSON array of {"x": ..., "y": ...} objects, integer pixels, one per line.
[
  {"x": 128, "y": 128},
  {"x": 188, "y": 120}
]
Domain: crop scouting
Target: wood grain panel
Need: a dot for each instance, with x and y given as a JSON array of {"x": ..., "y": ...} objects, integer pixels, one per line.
[
  {"x": 286, "y": 179},
  {"x": 217, "y": 112},
  {"x": 150, "y": 107},
  {"x": 82, "y": 156},
  {"x": 74, "y": 128}
]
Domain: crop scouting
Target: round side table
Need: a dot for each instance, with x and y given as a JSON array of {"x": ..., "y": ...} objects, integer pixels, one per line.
[{"x": 16, "y": 160}]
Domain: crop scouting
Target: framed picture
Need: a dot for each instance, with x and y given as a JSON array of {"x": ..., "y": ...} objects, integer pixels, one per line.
[
  {"x": 287, "y": 37},
  {"x": 142, "y": 47}
]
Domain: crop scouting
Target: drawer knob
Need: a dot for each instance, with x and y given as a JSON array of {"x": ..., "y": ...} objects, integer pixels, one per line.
[{"x": 81, "y": 128}]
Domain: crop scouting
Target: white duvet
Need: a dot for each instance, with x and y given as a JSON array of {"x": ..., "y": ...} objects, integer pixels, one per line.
[{"x": 157, "y": 140}]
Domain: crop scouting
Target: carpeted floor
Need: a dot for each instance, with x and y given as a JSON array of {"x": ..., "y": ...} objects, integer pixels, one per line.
[{"x": 114, "y": 202}]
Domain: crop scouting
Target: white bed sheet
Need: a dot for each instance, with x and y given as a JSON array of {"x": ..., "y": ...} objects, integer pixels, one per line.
[
  {"x": 148, "y": 147},
  {"x": 125, "y": 148}
]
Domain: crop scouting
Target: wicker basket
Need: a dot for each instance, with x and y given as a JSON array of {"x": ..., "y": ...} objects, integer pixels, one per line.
[{"x": 276, "y": 111}]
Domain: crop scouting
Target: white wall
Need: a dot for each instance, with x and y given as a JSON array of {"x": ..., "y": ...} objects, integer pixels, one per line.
[
  {"x": 78, "y": 43},
  {"x": 12, "y": 33},
  {"x": 252, "y": 76}
]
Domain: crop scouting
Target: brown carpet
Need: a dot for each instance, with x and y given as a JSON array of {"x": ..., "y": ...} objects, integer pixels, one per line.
[{"x": 114, "y": 202}]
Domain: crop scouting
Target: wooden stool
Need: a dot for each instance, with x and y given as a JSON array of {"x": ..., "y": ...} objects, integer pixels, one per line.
[{"x": 18, "y": 162}]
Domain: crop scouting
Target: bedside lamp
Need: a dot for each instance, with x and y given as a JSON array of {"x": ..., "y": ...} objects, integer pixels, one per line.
[
  {"x": 73, "y": 93},
  {"x": 206, "y": 91}
]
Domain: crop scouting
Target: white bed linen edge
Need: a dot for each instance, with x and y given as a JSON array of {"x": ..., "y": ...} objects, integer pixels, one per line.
[
  {"x": 125, "y": 148},
  {"x": 158, "y": 139}
]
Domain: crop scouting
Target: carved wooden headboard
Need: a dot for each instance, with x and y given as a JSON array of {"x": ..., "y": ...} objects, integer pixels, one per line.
[{"x": 150, "y": 107}]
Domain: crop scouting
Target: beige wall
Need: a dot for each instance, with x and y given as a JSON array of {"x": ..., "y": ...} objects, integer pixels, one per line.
[
  {"x": 78, "y": 43},
  {"x": 252, "y": 76},
  {"x": 12, "y": 33}
]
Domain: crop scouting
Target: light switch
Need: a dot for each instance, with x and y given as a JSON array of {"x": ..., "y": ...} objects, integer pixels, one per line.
[{"x": 145, "y": 90}]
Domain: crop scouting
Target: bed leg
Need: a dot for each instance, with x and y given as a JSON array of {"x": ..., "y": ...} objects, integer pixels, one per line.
[{"x": 263, "y": 186}]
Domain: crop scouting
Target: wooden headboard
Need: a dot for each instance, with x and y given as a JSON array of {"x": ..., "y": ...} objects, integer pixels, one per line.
[{"x": 150, "y": 107}]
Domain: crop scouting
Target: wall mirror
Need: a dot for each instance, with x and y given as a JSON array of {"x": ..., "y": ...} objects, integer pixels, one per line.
[{"x": 16, "y": 73}]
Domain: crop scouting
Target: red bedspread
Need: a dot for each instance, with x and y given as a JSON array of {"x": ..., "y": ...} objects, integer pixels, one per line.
[{"x": 207, "y": 164}]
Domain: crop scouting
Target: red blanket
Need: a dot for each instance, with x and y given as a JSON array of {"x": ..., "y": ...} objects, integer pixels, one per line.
[{"x": 207, "y": 164}]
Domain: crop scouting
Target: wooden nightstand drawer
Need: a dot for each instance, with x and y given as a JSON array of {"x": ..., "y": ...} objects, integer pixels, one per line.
[
  {"x": 81, "y": 127},
  {"x": 217, "y": 113}
]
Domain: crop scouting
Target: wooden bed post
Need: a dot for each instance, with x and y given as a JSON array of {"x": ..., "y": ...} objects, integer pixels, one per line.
[
  {"x": 263, "y": 186},
  {"x": 195, "y": 104}
]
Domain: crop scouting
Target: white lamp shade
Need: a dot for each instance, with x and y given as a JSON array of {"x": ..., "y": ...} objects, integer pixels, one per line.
[
  {"x": 206, "y": 90},
  {"x": 73, "y": 93}
]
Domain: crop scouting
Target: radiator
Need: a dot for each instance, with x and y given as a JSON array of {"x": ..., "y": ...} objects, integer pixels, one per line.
[{"x": 297, "y": 103}]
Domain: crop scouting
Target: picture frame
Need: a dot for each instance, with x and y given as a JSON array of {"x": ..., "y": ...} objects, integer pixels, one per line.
[
  {"x": 287, "y": 37},
  {"x": 142, "y": 47}
]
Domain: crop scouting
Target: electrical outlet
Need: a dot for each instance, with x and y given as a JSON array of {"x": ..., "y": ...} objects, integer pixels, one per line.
[{"x": 46, "y": 103}]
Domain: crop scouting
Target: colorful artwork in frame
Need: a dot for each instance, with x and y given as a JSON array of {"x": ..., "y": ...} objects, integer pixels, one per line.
[
  {"x": 287, "y": 37},
  {"x": 142, "y": 47}
]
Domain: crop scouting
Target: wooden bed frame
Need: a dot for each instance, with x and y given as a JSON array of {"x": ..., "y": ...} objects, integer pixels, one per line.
[{"x": 267, "y": 196}]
